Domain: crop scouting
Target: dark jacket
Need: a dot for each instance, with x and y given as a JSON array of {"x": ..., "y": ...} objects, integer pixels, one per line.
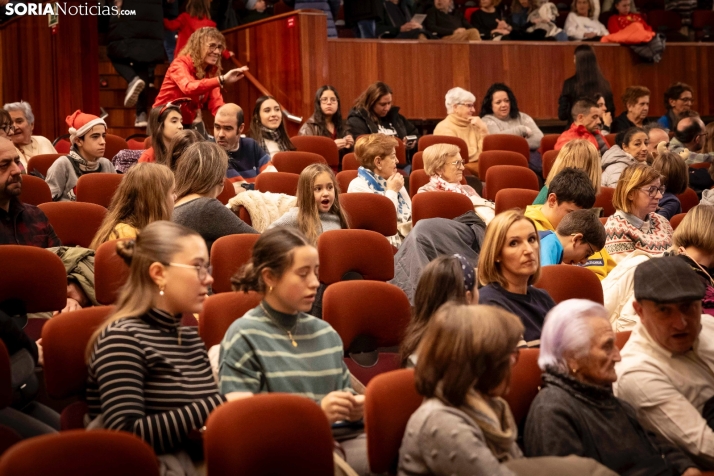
[
  {"x": 138, "y": 37},
  {"x": 567, "y": 99},
  {"x": 569, "y": 417},
  {"x": 360, "y": 123},
  {"x": 622, "y": 123},
  {"x": 358, "y": 10},
  {"x": 25, "y": 224},
  {"x": 392, "y": 18},
  {"x": 444, "y": 24}
]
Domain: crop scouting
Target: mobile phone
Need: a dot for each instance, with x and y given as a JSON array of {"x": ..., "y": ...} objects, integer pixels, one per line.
[{"x": 410, "y": 138}]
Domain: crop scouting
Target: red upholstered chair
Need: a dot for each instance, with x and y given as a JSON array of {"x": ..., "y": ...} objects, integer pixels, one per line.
[
  {"x": 137, "y": 141},
  {"x": 499, "y": 177},
  {"x": 426, "y": 141},
  {"x": 603, "y": 220},
  {"x": 499, "y": 157},
  {"x": 401, "y": 151},
  {"x": 439, "y": 205},
  {"x": 147, "y": 142},
  {"x": 370, "y": 211},
  {"x": 362, "y": 251},
  {"x": 525, "y": 383},
  {"x": 418, "y": 161},
  {"x": 509, "y": 198},
  {"x": 604, "y": 200},
  {"x": 98, "y": 188},
  {"x": 34, "y": 276},
  {"x": 277, "y": 182},
  {"x": 75, "y": 223},
  {"x": 269, "y": 434},
  {"x": 563, "y": 281},
  {"x": 344, "y": 178},
  {"x": 548, "y": 142},
  {"x": 35, "y": 190},
  {"x": 114, "y": 144},
  {"x": 389, "y": 402},
  {"x": 506, "y": 142},
  {"x": 375, "y": 309},
  {"x": 621, "y": 338},
  {"x": 220, "y": 311},
  {"x": 676, "y": 220},
  {"x": 228, "y": 254},
  {"x": 62, "y": 145},
  {"x": 110, "y": 272},
  {"x": 688, "y": 199},
  {"x": 700, "y": 165},
  {"x": 81, "y": 453},
  {"x": 227, "y": 193},
  {"x": 349, "y": 162},
  {"x": 294, "y": 162},
  {"x": 417, "y": 179},
  {"x": 64, "y": 341},
  {"x": 42, "y": 163},
  {"x": 323, "y": 146},
  {"x": 610, "y": 138},
  {"x": 548, "y": 161},
  {"x": 468, "y": 12}
]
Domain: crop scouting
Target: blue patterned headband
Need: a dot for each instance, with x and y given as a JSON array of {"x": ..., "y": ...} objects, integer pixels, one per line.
[{"x": 468, "y": 269}]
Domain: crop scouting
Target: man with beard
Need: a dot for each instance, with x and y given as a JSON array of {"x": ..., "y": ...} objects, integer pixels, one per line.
[{"x": 586, "y": 125}]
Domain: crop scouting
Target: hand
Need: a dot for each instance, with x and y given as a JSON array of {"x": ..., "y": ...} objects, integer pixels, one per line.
[
  {"x": 502, "y": 25},
  {"x": 338, "y": 406},
  {"x": 692, "y": 472},
  {"x": 72, "y": 305},
  {"x": 234, "y": 75},
  {"x": 341, "y": 143},
  {"x": 460, "y": 30},
  {"x": 358, "y": 408},
  {"x": 76, "y": 292},
  {"x": 349, "y": 140},
  {"x": 529, "y": 132},
  {"x": 238, "y": 188},
  {"x": 231, "y": 396},
  {"x": 409, "y": 26},
  {"x": 607, "y": 118},
  {"x": 40, "y": 354},
  {"x": 410, "y": 144},
  {"x": 395, "y": 182}
]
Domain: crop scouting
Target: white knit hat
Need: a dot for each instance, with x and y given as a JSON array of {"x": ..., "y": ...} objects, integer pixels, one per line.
[{"x": 80, "y": 123}]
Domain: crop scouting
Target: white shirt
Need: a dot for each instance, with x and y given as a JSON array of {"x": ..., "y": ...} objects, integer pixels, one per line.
[
  {"x": 38, "y": 145},
  {"x": 668, "y": 391},
  {"x": 576, "y": 26}
]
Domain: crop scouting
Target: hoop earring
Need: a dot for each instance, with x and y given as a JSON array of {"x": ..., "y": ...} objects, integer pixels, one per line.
[{"x": 161, "y": 290}]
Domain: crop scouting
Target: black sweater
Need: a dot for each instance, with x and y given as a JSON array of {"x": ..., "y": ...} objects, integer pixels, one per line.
[
  {"x": 360, "y": 123},
  {"x": 567, "y": 99},
  {"x": 444, "y": 24}
]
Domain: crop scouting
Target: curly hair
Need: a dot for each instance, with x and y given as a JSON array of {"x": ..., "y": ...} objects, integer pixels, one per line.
[{"x": 198, "y": 41}]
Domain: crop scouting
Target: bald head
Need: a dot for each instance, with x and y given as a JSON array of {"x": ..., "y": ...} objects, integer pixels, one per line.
[
  {"x": 689, "y": 132},
  {"x": 228, "y": 126},
  {"x": 231, "y": 109},
  {"x": 10, "y": 169}
]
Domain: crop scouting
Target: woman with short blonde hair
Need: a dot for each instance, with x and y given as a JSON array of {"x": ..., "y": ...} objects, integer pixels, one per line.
[{"x": 576, "y": 154}]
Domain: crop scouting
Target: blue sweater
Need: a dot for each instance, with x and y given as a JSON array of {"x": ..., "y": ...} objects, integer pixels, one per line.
[{"x": 248, "y": 161}]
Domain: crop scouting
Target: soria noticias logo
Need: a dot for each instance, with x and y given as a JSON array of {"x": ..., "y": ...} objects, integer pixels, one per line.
[{"x": 56, "y": 8}]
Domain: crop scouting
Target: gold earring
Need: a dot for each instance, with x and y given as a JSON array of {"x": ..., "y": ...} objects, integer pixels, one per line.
[
  {"x": 161, "y": 290},
  {"x": 270, "y": 289},
  {"x": 574, "y": 370}
]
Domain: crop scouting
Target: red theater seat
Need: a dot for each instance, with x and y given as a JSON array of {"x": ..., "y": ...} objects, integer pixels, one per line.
[
  {"x": 439, "y": 205},
  {"x": 35, "y": 190},
  {"x": 323, "y": 146},
  {"x": 295, "y": 162},
  {"x": 370, "y": 211},
  {"x": 277, "y": 182},
  {"x": 228, "y": 254},
  {"x": 75, "y": 223},
  {"x": 342, "y": 251}
]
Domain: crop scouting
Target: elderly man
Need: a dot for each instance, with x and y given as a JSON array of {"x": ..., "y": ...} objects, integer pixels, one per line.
[
  {"x": 667, "y": 367},
  {"x": 586, "y": 125},
  {"x": 655, "y": 134},
  {"x": 691, "y": 134},
  {"x": 27, "y": 145}
]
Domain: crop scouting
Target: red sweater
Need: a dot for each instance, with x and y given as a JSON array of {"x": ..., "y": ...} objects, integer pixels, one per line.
[
  {"x": 578, "y": 132},
  {"x": 620, "y": 22}
]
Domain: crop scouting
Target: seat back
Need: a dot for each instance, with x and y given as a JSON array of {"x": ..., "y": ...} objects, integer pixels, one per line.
[
  {"x": 621, "y": 338},
  {"x": 417, "y": 179},
  {"x": 342, "y": 251},
  {"x": 499, "y": 177},
  {"x": 490, "y": 158},
  {"x": 295, "y": 162},
  {"x": 35, "y": 190},
  {"x": 389, "y": 402},
  {"x": 137, "y": 141},
  {"x": 564, "y": 282},
  {"x": 349, "y": 162},
  {"x": 509, "y": 198},
  {"x": 220, "y": 311},
  {"x": 344, "y": 178},
  {"x": 62, "y": 145},
  {"x": 604, "y": 200},
  {"x": 548, "y": 160},
  {"x": 81, "y": 453},
  {"x": 277, "y": 182},
  {"x": 98, "y": 188},
  {"x": 429, "y": 140},
  {"x": 323, "y": 146},
  {"x": 506, "y": 142},
  {"x": 114, "y": 144},
  {"x": 110, "y": 273},
  {"x": 676, "y": 220},
  {"x": 369, "y": 211},
  {"x": 439, "y": 205},
  {"x": 228, "y": 254},
  {"x": 548, "y": 142},
  {"x": 525, "y": 383},
  {"x": 34, "y": 276},
  {"x": 227, "y": 193},
  {"x": 418, "y": 161},
  {"x": 42, "y": 163},
  {"x": 269, "y": 434},
  {"x": 688, "y": 199},
  {"x": 75, "y": 223}
]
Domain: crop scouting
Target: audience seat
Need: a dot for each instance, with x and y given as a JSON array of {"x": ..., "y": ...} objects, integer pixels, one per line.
[
  {"x": 417, "y": 179},
  {"x": 401, "y": 151},
  {"x": 114, "y": 144},
  {"x": 548, "y": 142},
  {"x": 468, "y": 12},
  {"x": 676, "y": 220},
  {"x": 295, "y": 162},
  {"x": 603, "y": 220},
  {"x": 269, "y": 434},
  {"x": 81, "y": 453},
  {"x": 62, "y": 145},
  {"x": 34, "y": 276},
  {"x": 509, "y": 198},
  {"x": 700, "y": 165},
  {"x": 499, "y": 157},
  {"x": 440, "y": 205},
  {"x": 604, "y": 200},
  {"x": 65, "y": 338},
  {"x": 228, "y": 192},
  {"x": 378, "y": 312},
  {"x": 506, "y": 142},
  {"x": 98, "y": 188},
  {"x": 688, "y": 199},
  {"x": 621, "y": 338},
  {"x": 220, "y": 311},
  {"x": 110, "y": 273},
  {"x": 349, "y": 162},
  {"x": 228, "y": 255},
  {"x": 667, "y": 22},
  {"x": 75, "y": 223},
  {"x": 277, "y": 182},
  {"x": 344, "y": 178},
  {"x": 499, "y": 177},
  {"x": 370, "y": 211},
  {"x": 42, "y": 163},
  {"x": 703, "y": 25},
  {"x": 137, "y": 141},
  {"x": 417, "y": 161},
  {"x": 428, "y": 140},
  {"x": 563, "y": 281},
  {"x": 362, "y": 251},
  {"x": 525, "y": 383},
  {"x": 548, "y": 161},
  {"x": 323, "y": 146},
  {"x": 35, "y": 190},
  {"x": 610, "y": 138},
  {"x": 390, "y": 400}
]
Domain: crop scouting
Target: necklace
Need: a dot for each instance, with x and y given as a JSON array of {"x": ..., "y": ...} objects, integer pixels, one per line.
[
  {"x": 711, "y": 281},
  {"x": 289, "y": 332}
]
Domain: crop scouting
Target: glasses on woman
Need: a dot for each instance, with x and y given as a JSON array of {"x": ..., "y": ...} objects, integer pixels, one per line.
[
  {"x": 202, "y": 270},
  {"x": 216, "y": 47},
  {"x": 457, "y": 163},
  {"x": 653, "y": 190},
  {"x": 467, "y": 105},
  {"x": 328, "y": 100}
]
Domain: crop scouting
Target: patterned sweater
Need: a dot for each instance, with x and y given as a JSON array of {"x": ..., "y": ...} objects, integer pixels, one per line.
[{"x": 627, "y": 233}]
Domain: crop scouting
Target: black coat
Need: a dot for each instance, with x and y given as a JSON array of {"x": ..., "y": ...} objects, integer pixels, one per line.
[
  {"x": 138, "y": 37},
  {"x": 358, "y": 10},
  {"x": 567, "y": 99},
  {"x": 444, "y": 24},
  {"x": 569, "y": 417},
  {"x": 360, "y": 123}
]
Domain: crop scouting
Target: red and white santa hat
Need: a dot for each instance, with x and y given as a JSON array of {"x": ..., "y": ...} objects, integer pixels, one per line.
[{"x": 80, "y": 123}]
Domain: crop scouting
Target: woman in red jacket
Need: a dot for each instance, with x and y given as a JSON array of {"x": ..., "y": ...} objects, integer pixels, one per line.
[
  {"x": 196, "y": 74},
  {"x": 623, "y": 18}
]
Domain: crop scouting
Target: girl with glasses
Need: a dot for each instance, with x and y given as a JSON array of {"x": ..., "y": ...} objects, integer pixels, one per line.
[{"x": 327, "y": 120}]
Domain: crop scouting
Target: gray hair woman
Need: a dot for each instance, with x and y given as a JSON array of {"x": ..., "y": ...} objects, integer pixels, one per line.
[
  {"x": 24, "y": 122},
  {"x": 576, "y": 411},
  {"x": 462, "y": 122}
]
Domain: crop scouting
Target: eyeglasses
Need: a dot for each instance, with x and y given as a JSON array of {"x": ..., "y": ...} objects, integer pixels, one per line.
[
  {"x": 328, "y": 100},
  {"x": 175, "y": 103},
  {"x": 6, "y": 127},
  {"x": 457, "y": 163},
  {"x": 686, "y": 99},
  {"x": 468, "y": 105},
  {"x": 214, "y": 46},
  {"x": 203, "y": 271},
  {"x": 652, "y": 190},
  {"x": 591, "y": 251}
]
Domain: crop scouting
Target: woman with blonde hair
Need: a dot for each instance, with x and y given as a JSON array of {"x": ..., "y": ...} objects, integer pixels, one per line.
[
  {"x": 200, "y": 177},
  {"x": 146, "y": 194},
  {"x": 508, "y": 265},
  {"x": 576, "y": 154}
]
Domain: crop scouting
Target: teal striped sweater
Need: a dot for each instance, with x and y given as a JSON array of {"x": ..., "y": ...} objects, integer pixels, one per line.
[{"x": 257, "y": 356}]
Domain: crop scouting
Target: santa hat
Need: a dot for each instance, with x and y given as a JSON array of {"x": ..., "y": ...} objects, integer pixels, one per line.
[{"x": 80, "y": 123}]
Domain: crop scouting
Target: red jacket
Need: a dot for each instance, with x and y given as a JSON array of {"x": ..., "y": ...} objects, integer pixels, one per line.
[
  {"x": 180, "y": 81},
  {"x": 620, "y": 22},
  {"x": 578, "y": 132},
  {"x": 147, "y": 156}
]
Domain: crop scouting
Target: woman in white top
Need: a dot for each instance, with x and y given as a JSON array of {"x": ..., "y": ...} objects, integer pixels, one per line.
[
  {"x": 582, "y": 23},
  {"x": 267, "y": 126},
  {"x": 27, "y": 145}
]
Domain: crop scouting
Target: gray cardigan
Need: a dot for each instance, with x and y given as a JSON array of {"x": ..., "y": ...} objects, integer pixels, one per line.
[
  {"x": 329, "y": 221},
  {"x": 516, "y": 127},
  {"x": 62, "y": 178},
  {"x": 210, "y": 218}
]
